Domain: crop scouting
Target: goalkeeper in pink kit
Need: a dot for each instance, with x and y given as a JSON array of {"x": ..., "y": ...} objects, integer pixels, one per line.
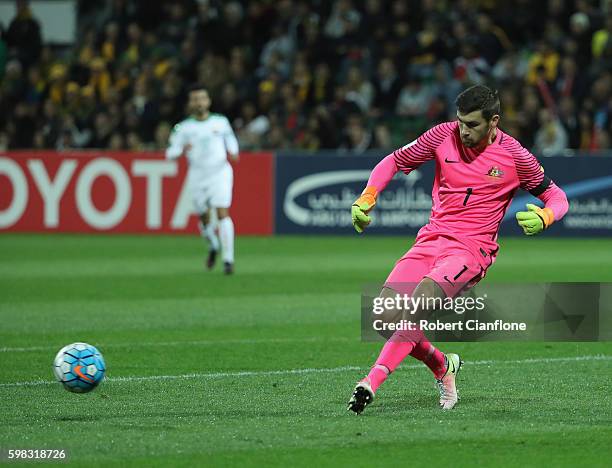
[{"x": 479, "y": 168}]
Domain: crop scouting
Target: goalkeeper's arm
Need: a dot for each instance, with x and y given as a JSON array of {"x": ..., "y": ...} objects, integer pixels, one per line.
[
  {"x": 406, "y": 159},
  {"x": 536, "y": 219},
  {"x": 379, "y": 178}
]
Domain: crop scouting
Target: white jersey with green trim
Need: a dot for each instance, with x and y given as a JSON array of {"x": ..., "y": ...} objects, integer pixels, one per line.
[{"x": 210, "y": 141}]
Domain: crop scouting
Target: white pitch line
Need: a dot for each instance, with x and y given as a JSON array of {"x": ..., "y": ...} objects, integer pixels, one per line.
[
  {"x": 218, "y": 375},
  {"x": 182, "y": 343}
]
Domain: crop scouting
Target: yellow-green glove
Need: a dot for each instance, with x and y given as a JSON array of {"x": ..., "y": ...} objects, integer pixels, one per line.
[
  {"x": 535, "y": 220},
  {"x": 361, "y": 208}
]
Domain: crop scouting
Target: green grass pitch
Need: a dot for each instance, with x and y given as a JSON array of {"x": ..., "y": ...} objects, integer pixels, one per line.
[{"x": 256, "y": 369}]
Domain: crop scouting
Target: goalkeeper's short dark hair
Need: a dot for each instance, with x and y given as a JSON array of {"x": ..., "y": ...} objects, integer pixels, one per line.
[{"x": 479, "y": 97}]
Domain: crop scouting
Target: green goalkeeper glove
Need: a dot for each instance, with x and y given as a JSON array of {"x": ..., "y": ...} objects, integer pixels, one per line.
[
  {"x": 361, "y": 208},
  {"x": 535, "y": 220}
]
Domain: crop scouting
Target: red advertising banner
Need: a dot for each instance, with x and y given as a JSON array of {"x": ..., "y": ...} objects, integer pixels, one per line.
[{"x": 105, "y": 191}]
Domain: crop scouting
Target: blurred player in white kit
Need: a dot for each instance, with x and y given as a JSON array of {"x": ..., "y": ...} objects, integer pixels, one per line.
[{"x": 207, "y": 139}]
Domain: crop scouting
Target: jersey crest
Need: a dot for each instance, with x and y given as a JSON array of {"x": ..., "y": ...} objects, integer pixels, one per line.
[{"x": 495, "y": 172}]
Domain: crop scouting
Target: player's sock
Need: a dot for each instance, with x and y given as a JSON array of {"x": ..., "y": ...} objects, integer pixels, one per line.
[
  {"x": 393, "y": 353},
  {"x": 208, "y": 232},
  {"x": 377, "y": 375},
  {"x": 431, "y": 356},
  {"x": 226, "y": 232}
]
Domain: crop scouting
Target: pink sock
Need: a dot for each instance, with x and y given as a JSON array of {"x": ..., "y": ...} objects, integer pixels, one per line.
[
  {"x": 378, "y": 374},
  {"x": 431, "y": 356},
  {"x": 393, "y": 353}
]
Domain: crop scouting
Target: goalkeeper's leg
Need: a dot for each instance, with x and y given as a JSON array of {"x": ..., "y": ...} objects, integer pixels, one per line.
[
  {"x": 401, "y": 344},
  {"x": 450, "y": 269}
]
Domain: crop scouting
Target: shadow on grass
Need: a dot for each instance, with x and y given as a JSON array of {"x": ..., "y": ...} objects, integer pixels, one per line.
[{"x": 78, "y": 418}]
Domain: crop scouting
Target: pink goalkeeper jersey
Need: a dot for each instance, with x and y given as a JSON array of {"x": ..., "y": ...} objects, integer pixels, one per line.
[{"x": 472, "y": 190}]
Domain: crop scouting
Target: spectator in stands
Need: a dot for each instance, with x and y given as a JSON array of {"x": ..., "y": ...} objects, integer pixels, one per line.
[
  {"x": 569, "y": 81},
  {"x": 35, "y": 86},
  {"x": 308, "y": 74},
  {"x": 117, "y": 143},
  {"x": 327, "y": 129},
  {"x": 250, "y": 127},
  {"x": 445, "y": 87},
  {"x": 602, "y": 39},
  {"x": 276, "y": 138},
  {"x": 71, "y": 135},
  {"x": 544, "y": 63},
  {"x": 232, "y": 33},
  {"x": 359, "y": 90},
  {"x": 343, "y": 19},
  {"x": 493, "y": 41},
  {"x": 387, "y": 86},
  {"x": 53, "y": 124},
  {"x": 85, "y": 116},
  {"x": 99, "y": 78},
  {"x": 382, "y": 137},
  {"x": 470, "y": 66},
  {"x": 23, "y": 36},
  {"x": 172, "y": 30},
  {"x": 3, "y": 52},
  {"x": 308, "y": 139},
  {"x": 528, "y": 119},
  {"x": 277, "y": 52},
  {"x": 103, "y": 129},
  {"x": 414, "y": 99},
  {"x": 110, "y": 44},
  {"x": 601, "y": 140},
  {"x": 13, "y": 87},
  {"x": 580, "y": 32},
  {"x": 551, "y": 137},
  {"x": 357, "y": 137},
  {"x": 133, "y": 142},
  {"x": 134, "y": 48},
  {"x": 24, "y": 126},
  {"x": 4, "y": 142},
  {"x": 321, "y": 87},
  {"x": 569, "y": 119}
]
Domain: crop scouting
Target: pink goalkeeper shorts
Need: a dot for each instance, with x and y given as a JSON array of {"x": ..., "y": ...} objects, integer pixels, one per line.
[{"x": 443, "y": 259}]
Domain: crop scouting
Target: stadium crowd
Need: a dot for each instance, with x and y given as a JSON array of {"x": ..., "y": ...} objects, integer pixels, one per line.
[{"x": 344, "y": 74}]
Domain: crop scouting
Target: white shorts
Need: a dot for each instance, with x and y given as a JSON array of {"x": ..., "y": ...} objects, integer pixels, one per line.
[{"x": 215, "y": 192}]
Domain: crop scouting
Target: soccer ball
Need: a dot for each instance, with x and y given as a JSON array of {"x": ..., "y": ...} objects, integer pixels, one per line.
[{"x": 79, "y": 367}]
